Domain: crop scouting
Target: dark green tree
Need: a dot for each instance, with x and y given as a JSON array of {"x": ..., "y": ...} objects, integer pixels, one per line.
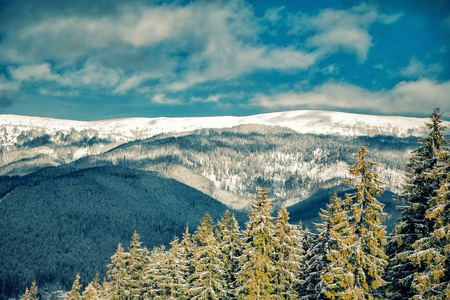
[{"x": 421, "y": 186}]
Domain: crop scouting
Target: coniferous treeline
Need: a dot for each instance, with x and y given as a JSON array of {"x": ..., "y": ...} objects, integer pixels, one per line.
[{"x": 350, "y": 256}]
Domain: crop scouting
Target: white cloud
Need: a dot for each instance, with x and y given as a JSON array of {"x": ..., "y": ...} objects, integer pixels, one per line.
[
  {"x": 90, "y": 75},
  {"x": 405, "y": 97},
  {"x": 209, "y": 99},
  {"x": 41, "y": 72},
  {"x": 341, "y": 30},
  {"x": 417, "y": 69},
  {"x": 163, "y": 100},
  {"x": 130, "y": 83},
  {"x": 217, "y": 41},
  {"x": 273, "y": 14}
]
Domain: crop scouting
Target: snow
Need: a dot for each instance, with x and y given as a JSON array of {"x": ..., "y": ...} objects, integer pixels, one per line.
[{"x": 302, "y": 121}]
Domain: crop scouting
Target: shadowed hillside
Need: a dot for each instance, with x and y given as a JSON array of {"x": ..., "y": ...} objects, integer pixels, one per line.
[{"x": 55, "y": 227}]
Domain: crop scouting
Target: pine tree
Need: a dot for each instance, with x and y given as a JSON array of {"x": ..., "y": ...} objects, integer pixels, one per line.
[
  {"x": 90, "y": 293},
  {"x": 362, "y": 261},
  {"x": 337, "y": 277},
  {"x": 229, "y": 238},
  {"x": 117, "y": 274},
  {"x": 75, "y": 292},
  {"x": 288, "y": 257},
  {"x": 136, "y": 265},
  {"x": 432, "y": 251},
  {"x": 257, "y": 261},
  {"x": 313, "y": 285},
  {"x": 205, "y": 229},
  {"x": 172, "y": 278},
  {"x": 207, "y": 280},
  {"x": 154, "y": 273},
  {"x": 421, "y": 186}
]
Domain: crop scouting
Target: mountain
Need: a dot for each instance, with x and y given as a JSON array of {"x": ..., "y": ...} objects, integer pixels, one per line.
[
  {"x": 71, "y": 191},
  {"x": 230, "y": 164},
  {"x": 54, "y": 227},
  {"x": 30, "y": 143}
]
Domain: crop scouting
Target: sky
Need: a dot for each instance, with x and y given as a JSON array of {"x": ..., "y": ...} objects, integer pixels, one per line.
[{"x": 105, "y": 59}]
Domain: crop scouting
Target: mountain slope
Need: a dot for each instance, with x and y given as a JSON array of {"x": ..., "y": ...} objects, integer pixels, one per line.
[
  {"x": 30, "y": 143},
  {"x": 230, "y": 164},
  {"x": 56, "y": 226}
]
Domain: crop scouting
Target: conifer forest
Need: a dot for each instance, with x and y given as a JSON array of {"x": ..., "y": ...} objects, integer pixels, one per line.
[{"x": 349, "y": 255}]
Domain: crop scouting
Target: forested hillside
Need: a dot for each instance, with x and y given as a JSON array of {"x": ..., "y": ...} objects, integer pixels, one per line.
[
  {"x": 230, "y": 164},
  {"x": 57, "y": 226}
]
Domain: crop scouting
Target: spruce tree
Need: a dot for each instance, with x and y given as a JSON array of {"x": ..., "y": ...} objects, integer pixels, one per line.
[
  {"x": 117, "y": 275},
  {"x": 432, "y": 251},
  {"x": 257, "y": 260},
  {"x": 288, "y": 257},
  {"x": 337, "y": 277},
  {"x": 136, "y": 265},
  {"x": 75, "y": 292},
  {"x": 172, "y": 274},
  {"x": 207, "y": 277},
  {"x": 90, "y": 293},
  {"x": 229, "y": 238},
  {"x": 317, "y": 261},
  {"x": 362, "y": 261},
  {"x": 154, "y": 273},
  {"x": 421, "y": 186}
]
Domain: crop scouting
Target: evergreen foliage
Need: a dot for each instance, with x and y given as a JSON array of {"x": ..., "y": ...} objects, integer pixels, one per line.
[
  {"x": 417, "y": 223},
  {"x": 32, "y": 293},
  {"x": 229, "y": 238},
  {"x": 75, "y": 292},
  {"x": 288, "y": 256},
  {"x": 433, "y": 249},
  {"x": 258, "y": 261},
  {"x": 361, "y": 261},
  {"x": 320, "y": 254}
]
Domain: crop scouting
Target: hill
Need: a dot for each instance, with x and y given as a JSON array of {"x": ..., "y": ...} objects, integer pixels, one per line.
[{"x": 54, "y": 227}]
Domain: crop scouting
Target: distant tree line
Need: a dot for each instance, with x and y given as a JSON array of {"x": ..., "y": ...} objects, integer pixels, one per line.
[{"x": 350, "y": 256}]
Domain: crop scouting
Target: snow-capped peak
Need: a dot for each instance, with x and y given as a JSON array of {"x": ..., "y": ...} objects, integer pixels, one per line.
[{"x": 302, "y": 121}]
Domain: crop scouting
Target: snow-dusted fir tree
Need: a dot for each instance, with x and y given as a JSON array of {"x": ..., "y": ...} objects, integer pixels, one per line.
[
  {"x": 367, "y": 217},
  {"x": 90, "y": 293},
  {"x": 172, "y": 272},
  {"x": 363, "y": 255},
  {"x": 229, "y": 238},
  {"x": 314, "y": 284},
  {"x": 207, "y": 280},
  {"x": 76, "y": 288},
  {"x": 257, "y": 260},
  {"x": 288, "y": 257},
  {"x": 117, "y": 275},
  {"x": 154, "y": 279},
  {"x": 433, "y": 250},
  {"x": 421, "y": 186},
  {"x": 338, "y": 277},
  {"x": 136, "y": 265}
]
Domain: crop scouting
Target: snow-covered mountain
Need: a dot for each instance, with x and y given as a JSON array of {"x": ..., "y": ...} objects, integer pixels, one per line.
[
  {"x": 301, "y": 121},
  {"x": 211, "y": 156}
]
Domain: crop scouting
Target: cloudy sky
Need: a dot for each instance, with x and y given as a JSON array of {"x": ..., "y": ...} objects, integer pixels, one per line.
[{"x": 103, "y": 59}]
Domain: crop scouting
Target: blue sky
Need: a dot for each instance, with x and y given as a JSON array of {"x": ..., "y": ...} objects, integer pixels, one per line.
[{"x": 92, "y": 60}]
